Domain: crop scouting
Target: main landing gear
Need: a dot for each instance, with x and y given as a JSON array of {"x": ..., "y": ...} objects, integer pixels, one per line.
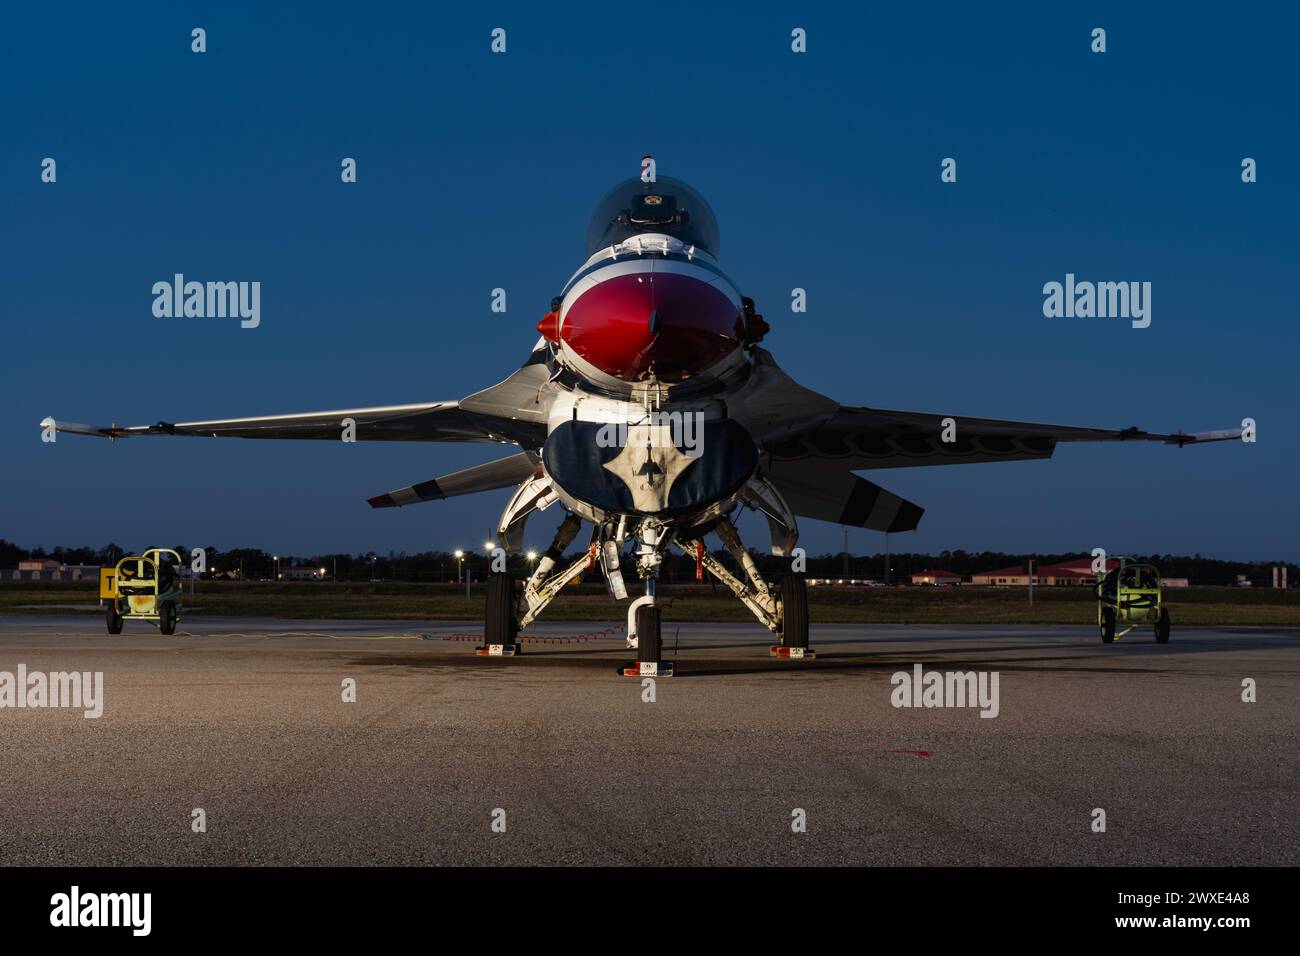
[
  {"x": 513, "y": 605},
  {"x": 794, "y": 620},
  {"x": 501, "y": 622},
  {"x": 784, "y": 609}
]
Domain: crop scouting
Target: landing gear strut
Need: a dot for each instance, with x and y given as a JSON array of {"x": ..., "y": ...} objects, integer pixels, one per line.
[
  {"x": 783, "y": 611},
  {"x": 511, "y": 606},
  {"x": 643, "y": 624}
]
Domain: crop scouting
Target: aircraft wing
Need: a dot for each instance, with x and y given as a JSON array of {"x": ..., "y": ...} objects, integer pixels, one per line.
[
  {"x": 434, "y": 421},
  {"x": 863, "y": 438},
  {"x": 512, "y": 411}
]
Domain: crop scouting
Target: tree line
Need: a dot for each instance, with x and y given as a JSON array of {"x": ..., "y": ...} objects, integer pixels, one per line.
[{"x": 256, "y": 564}]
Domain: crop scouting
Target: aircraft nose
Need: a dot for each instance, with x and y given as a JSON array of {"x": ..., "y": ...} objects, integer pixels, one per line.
[{"x": 677, "y": 324}]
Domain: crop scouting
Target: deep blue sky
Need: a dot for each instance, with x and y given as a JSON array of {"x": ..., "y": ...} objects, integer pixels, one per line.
[{"x": 479, "y": 170}]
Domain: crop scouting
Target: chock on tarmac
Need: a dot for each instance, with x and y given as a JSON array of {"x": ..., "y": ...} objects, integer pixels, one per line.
[
  {"x": 498, "y": 650},
  {"x": 647, "y": 669},
  {"x": 792, "y": 653}
]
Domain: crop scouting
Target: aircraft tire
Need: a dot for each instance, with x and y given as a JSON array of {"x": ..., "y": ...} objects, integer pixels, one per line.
[
  {"x": 1162, "y": 627},
  {"x": 167, "y": 618},
  {"x": 794, "y": 611},
  {"x": 648, "y": 639},
  {"x": 500, "y": 626},
  {"x": 114, "y": 619}
]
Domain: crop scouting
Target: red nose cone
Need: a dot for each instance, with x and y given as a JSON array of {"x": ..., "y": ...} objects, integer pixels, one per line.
[{"x": 676, "y": 323}]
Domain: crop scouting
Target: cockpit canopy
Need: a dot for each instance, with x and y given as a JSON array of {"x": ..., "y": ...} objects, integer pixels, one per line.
[{"x": 667, "y": 206}]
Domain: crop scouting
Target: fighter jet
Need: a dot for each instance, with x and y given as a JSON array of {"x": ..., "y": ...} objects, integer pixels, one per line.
[{"x": 648, "y": 410}]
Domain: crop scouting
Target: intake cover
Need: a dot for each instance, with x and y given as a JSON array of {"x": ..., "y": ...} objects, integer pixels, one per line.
[{"x": 666, "y": 468}]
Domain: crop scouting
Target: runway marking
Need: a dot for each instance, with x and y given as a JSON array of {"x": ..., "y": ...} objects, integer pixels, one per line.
[
  {"x": 533, "y": 638},
  {"x": 331, "y": 636},
  {"x": 918, "y": 753}
]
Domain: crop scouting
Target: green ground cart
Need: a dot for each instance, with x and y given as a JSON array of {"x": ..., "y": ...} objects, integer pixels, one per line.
[{"x": 1127, "y": 596}]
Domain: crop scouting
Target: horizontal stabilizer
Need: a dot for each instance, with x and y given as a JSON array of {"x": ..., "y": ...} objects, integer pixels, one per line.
[
  {"x": 503, "y": 473},
  {"x": 838, "y": 495}
]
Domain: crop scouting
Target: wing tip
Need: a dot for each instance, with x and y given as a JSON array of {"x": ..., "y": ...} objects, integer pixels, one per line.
[{"x": 76, "y": 428}]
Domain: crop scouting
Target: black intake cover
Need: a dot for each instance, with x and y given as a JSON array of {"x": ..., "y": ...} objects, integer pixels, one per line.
[{"x": 575, "y": 459}]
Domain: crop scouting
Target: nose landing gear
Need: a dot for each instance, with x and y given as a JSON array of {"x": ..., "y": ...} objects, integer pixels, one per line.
[{"x": 643, "y": 623}]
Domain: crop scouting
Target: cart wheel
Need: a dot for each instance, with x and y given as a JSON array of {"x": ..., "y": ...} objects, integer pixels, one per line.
[
  {"x": 500, "y": 625},
  {"x": 167, "y": 618},
  {"x": 1162, "y": 627},
  {"x": 1108, "y": 625},
  {"x": 794, "y": 611},
  {"x": 648, "y": 645},
  {"x": 114, "y": 619}
]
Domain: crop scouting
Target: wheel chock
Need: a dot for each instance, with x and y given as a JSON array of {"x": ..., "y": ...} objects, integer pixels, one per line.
[
  {"x": 498, "y": 650},
  {"x": 792, "y": 653},
  {"x": 647, "y": 669}
]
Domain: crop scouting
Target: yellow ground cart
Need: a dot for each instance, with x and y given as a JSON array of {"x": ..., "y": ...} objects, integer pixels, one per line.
[{"x": 146, "y": 587}]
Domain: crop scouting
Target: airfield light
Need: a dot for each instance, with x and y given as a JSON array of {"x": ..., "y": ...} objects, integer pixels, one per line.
[
  {"x": 460, "y": 554},
  {"x": 487, "y": 545},
  {"x": 532, "y": 555}
]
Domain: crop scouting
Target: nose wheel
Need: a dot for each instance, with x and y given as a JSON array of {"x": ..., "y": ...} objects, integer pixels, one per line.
[
  {"x": 649, "y": 636},
  {"x": 643, "y": 622},
  {"x": 649, "y": 646}
]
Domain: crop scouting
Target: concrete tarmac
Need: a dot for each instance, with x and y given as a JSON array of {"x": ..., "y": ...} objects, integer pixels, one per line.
[{"x": 244, "y": 719}]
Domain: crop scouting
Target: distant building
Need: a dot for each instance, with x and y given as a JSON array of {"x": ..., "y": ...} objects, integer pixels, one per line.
[
  {"x": 302, "y": 574},
  {"x": 1173, "y": 582},
  {"x": 1004, "y": 577},
  {"x": 1072, "y": 573},
  {"x": 936, "y": 577},
  {"x": 43, "y": 569}
]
